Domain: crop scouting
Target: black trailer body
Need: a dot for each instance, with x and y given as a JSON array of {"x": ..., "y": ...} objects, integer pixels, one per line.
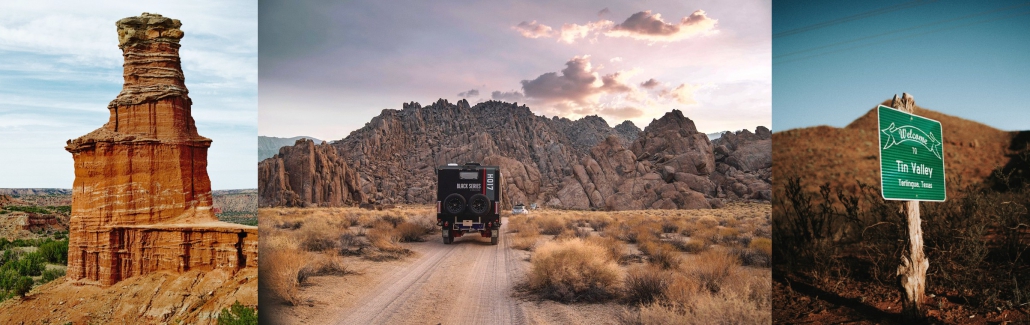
[{"x": 468, "y": 199}]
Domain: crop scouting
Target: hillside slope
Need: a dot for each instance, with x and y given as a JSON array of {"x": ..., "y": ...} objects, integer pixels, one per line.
[{"x": 845, "y": 156}]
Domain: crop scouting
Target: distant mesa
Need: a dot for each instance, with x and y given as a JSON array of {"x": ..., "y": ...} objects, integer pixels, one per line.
[
  {"x": 141, "y": 200},
  {"x": 557, "y": 162}
]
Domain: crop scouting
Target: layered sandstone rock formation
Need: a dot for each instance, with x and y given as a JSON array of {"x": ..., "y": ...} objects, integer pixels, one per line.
[
  {"x": 142, "y": 198},
  {"x": 582, "y": 164}
]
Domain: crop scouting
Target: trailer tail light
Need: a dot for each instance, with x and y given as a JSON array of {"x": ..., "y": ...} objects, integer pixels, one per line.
[
  {"x": 446, "y": 223},
  {"x": 497, "y": 208},
  {"x": 437, "y": 206}
]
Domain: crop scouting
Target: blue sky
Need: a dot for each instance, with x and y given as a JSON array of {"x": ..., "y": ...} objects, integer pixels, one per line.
[
  {"x": 969, "y": 59},
  {"x": 328, "y": 67},
  {"x": 60, "y": 66}
]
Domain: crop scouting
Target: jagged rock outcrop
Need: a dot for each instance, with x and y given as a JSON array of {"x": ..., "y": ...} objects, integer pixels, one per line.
[
  {"x": 141, "y": 199},
  {"x": 744, "y": 164},
  {"x": 306, "y": 174},
  {"x": 582, "y": 164}
]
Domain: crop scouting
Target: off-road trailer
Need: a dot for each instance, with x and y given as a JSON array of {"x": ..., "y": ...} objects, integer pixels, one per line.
[{"x": 468, "y": 199}]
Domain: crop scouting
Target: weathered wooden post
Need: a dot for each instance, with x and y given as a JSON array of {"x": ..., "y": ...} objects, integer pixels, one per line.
[{"x": 911, "y": 170}]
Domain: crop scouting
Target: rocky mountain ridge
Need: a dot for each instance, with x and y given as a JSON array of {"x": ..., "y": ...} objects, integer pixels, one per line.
[{"x": 581, "y": 164}]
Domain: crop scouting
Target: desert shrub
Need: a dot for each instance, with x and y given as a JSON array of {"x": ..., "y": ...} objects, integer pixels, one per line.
[
  {"x": 709, "y": 235},
  {"x": 727, "y": 235},
  {"x": 681, "y": 290},
  {"x": 280, "y": 267},
  {"x": 8, "y": 279},
  {"x": 706, "y": 308},
  {"x": 574, "y": 270},
  {"x": 23, "y": 285},
  {"x": 317, "y": 241},
  {"x": 665, "y": 257},
  {"x": 750, "y": 257},
  {"x": 31, "y": 264},
  {"x": 411, "y": 232},
  {"x": 689, "y": 245},
  {"x": 525, "y": 243},
  {"x": 526, "y": 233},
  {"x": 550, "y": 224},
  {"x": 322, "y": 266},
  {"x": 570, "y": 233},
  {"x": 600, "y": 222},
  {"x": 51, "y": 275},
  {"x": 645, "y": 284},
  {"x": 522, "y": 225},
  {"x": 304, "y": 273},
  {"x": 762, "y": 246},
  {"x": 616, "y": 249},
  {"x": 55, "y": 251},
  {"x": 643, "y": 232},
  {"x": 687, "y": 302},
  {"x": 385, "y": 240},
  {"x": 670, "y": 226},
  {"x": 352, "y": 219},
  {"x": 394, "y": 219},
  {"x": 290, "y": 225},
  {"x": 350, "y": 239},
  {"x": 712, "y": 267},
  {"x": 707, "y": 222},
  {"x": 383, "y": 237},
  {"x": 237, "y": 314}
]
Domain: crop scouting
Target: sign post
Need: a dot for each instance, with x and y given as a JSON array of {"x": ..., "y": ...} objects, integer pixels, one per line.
[{"x": 911, "y": 170}]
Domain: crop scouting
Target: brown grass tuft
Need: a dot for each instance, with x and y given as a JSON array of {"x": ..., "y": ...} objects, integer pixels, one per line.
[
  {"x": 574, "y": 270},
  {"x": 690, "y": 245},
  {"x": 616, "y": 249},
  {"x": 712, "y": 267},
  {"x": 551, "y": 224},
  {"x": 645, "y": 284}
]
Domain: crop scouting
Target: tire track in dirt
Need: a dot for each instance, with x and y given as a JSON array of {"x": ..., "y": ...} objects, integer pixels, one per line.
[{"x": 469, "y": 281}]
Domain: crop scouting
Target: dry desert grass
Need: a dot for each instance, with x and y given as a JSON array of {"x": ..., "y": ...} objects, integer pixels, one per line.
[
  {"x": 298, "y": 244},
  {"x": 669, "y": 266}
]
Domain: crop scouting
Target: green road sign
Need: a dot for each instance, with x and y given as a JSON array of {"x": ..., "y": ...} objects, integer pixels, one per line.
[{"x": 911, "y": 156}]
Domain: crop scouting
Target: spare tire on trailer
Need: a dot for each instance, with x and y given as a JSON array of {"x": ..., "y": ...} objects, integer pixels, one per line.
[
  {"x": 454, "y": 203},
  {"x": 479, "y": 204}
]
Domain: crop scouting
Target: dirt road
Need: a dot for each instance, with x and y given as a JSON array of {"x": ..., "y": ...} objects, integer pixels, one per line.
[{"x": 467, "y": 282}]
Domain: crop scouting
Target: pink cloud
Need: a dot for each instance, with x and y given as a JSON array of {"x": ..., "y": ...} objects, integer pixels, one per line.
[
  {"x": 571, "y": 32},
  {"x": 647, "y": 26},
  {"x": 641, "y": 26},
  {"x": 534, "y": 30},
  {"x": 650, "y": 83}
]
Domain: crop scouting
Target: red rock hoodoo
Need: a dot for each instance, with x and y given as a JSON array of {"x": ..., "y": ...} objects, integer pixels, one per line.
[{"x": 141, "y": 199}]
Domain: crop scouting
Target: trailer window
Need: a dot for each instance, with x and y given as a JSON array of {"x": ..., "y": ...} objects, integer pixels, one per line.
[{"x": 468, "y": 175}]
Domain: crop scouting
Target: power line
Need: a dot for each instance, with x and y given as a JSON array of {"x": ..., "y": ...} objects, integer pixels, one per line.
[
  {"x": 863, "y": 15},
  {"x": 904, "y": 37},
  {"x": 902, "y": 30}
]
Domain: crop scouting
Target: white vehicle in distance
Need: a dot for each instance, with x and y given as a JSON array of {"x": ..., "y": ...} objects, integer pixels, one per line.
[{"x": 519, "y": 209}]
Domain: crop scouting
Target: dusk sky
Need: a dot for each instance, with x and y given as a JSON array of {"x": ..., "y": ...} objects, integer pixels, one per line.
[
  {"x": 835, "y": 61},
  {"x": 60, "y": 66},
  {"x": 329, "y": 67}
]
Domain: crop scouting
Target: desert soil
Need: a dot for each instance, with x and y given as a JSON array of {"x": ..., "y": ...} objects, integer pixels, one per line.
[{"x": 467, "y": 282}]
